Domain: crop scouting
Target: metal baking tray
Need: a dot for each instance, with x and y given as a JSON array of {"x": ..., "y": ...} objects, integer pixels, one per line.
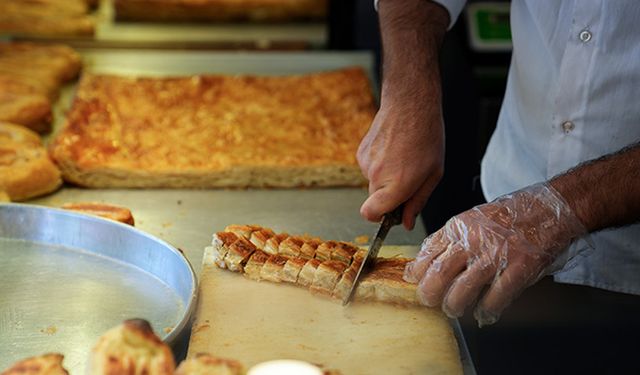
[
  {"x": 66, "y": 278},
  {"x": 111, "y": 33}
]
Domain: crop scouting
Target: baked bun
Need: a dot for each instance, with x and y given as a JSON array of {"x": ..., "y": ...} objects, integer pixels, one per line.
[
  {"x": 131, "y": 348},
  {"x": 206, "y": 364},
  {"x": 47, "y": 364},
  {"x": 25, "y": 168}
]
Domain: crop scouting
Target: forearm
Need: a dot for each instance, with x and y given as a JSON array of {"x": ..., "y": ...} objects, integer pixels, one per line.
[
  {"x": 604, "y": 192},
  {"x": 412, "y": 32}
]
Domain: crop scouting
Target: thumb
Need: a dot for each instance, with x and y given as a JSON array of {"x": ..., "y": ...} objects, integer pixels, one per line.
[{"x": 381, "y": 201}]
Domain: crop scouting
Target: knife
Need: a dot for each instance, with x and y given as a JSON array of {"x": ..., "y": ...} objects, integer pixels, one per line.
[{"x": 388, "y": 220}]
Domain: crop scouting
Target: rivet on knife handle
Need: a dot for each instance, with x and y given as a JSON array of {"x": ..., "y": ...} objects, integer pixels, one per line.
[{"x": 388, "y": 220}]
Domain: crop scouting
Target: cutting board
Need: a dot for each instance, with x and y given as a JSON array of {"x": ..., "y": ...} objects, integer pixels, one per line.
[{"x": 259, "y": 321}]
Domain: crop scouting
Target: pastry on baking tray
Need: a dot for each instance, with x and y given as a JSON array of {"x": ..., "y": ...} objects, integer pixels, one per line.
[
  {"x": 46, "y": 18},
  {"x": 219, "y": 10},
  {"x": 216, "y": 131},
  {"x": 46, "y": 364},
  {"x": 57, "y": 61},
  {"x": 206, "y": 364},
  {"x": 31, "y": 76},
  {"x": 30, "y": 110},
  {"x": 331, "y": 272},
  {"x": 108, "y": 211},
  {"x": 131, "y": 348},
  {"x": 25, "y": 168}
]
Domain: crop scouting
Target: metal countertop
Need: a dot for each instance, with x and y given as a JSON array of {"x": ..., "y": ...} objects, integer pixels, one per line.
[{"x": 188, "y": 218}]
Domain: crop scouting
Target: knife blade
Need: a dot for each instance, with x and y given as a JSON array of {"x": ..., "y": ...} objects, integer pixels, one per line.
[{"x": 388, "y": 220}]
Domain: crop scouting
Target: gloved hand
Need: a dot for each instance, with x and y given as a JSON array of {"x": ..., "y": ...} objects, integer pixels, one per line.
[{"x": 507, "y": 245}]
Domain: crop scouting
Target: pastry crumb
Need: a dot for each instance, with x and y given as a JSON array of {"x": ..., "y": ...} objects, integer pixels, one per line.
[
  {"x": 50, "y": 330},
  {"x": 362, "y": 239}
]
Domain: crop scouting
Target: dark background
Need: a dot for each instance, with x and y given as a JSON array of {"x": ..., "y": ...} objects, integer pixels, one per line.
[{"x": 552, "y": 328}]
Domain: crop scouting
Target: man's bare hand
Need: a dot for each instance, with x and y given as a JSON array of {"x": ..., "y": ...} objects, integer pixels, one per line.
[{"x": 402, "y": 155}]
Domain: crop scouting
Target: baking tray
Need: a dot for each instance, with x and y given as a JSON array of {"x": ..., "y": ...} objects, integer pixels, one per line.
[
  {"x": 246, "y": 35},
  {"x": 66, "y": 278}
]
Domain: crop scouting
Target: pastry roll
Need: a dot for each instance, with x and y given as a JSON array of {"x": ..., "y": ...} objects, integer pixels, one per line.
[
  {"x": 326, "y": 277},
  {"x": 254, "y": 265},
  {"x": 291, "y": 247},
  {"x": 305, "y": 278},
  {"x": 272, "y": 269},
  {"x": 292, "y": 269}
]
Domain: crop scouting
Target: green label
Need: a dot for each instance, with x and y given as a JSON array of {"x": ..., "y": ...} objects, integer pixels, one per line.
[{"x": 493, "y": 25}]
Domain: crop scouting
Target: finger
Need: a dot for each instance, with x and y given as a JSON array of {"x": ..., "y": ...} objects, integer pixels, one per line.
[
  {"x": 432, "y": 246},
  {"x": 506, "y": 286},
  {"x": 414, "y": 205},
  {"x": 363, "y": 157},
  {"x": 467, "y": 287},
  {"x": 381, "y": 201},
  {"x": 440, "y": 274}
]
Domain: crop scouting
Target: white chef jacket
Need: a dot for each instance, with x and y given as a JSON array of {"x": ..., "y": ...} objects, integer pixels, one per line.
[{"x": 573, "y": 94}]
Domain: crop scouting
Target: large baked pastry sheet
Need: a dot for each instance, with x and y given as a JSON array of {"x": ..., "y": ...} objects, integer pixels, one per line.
[{"x": 216, "y": 130}]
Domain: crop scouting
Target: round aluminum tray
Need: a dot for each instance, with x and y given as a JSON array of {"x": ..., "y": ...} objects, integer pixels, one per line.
[{"x": 66, "y": 278}]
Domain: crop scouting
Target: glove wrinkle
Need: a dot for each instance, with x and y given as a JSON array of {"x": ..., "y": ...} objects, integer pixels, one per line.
[{"x": 507, "y": 244}]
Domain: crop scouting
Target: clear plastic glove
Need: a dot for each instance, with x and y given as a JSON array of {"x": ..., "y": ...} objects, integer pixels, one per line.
[{"x": 507, "y": 245}]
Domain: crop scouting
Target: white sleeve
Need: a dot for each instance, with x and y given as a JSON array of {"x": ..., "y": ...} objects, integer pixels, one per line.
[{"x": 454, "y": 7}]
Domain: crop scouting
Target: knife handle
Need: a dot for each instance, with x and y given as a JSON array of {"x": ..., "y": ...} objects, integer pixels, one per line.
[{"x": 395, "y": 217}]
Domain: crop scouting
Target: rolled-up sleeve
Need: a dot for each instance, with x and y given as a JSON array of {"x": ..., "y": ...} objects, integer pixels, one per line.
[{"x": 454, "y": 7}]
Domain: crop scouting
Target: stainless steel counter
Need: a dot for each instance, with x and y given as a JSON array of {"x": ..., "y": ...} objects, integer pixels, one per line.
[{"x": 187, "y": 218}]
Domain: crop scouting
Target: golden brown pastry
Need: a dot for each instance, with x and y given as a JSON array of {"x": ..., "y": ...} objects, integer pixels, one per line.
[
  {"x": 255, "y": 263},
  {"x": 59, "y": 62},
  {"x": 331, "y": 272},
  {"x": 45, "y": 18},
  {"x": 131, "y": 348},
  {"x": 25, "y": 168},
  {"x": 30, "y": 110},
  {"x": 108, "y": 211},
  {"x": 31, "y": 76},
  {"x": 18, "y": 134},
  {"x": 206, "y": 364},
  {"x": 46, "y": 364},
  {"x": 216, "y": 131},
  {"x": 308, "y": 271},
  {"x": 220, "y": 10}
]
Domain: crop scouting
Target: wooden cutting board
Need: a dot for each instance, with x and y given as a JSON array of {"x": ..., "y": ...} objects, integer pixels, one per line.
[{"x": 258, "y": 321}]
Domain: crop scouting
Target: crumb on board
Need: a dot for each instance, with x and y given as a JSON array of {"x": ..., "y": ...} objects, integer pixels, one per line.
[
  {"x": 167, "y": 329},
  {"x": 50, "y": 330},
  {"x": 362, "y": 239}
]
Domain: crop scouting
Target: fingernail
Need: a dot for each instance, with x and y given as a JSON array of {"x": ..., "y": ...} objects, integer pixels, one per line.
[
  {"x": 484, "y": 317},
  {"x": 451, "y": 313},
  {"x": 424, "y": 300},
  {"x": 408, "y": 275}
]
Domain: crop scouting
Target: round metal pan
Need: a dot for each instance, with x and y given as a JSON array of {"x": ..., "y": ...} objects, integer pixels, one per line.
[{"x": 66, "y": 278}]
